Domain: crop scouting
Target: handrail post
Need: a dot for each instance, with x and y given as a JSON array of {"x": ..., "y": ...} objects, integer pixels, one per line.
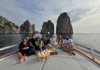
[{"x": 91, "y": 53}]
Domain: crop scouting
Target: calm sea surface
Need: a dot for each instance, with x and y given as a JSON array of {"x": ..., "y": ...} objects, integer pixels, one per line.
[
  {"x": 11, "y": 39},
  {"x": 88, "y": 40}
]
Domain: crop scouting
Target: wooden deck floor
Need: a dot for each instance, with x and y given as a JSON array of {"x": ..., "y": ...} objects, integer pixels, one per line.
[{"x": 62, "y": 61}]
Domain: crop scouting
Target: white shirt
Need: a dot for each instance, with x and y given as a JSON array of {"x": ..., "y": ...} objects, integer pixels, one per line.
[
  {"x": 66, "y": 42},
  {"x": 52, "y": 40}
]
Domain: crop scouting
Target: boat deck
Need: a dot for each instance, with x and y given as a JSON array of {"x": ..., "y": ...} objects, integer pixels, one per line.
[{"x": 62, "y": 61}]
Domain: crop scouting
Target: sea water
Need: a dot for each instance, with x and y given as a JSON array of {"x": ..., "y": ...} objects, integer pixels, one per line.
[
  {"x": 11, "y": 39},
  {"x": 89, "y": 40}
]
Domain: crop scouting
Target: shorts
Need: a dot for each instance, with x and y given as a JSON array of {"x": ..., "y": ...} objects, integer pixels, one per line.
[
  {"x": 38, "y": 48},
  {"x": 27, "y": 52},
  {"x": 24, "y": 52}
]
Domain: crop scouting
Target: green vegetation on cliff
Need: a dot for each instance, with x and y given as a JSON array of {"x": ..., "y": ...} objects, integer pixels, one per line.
[{"x": 7, "y": 27}]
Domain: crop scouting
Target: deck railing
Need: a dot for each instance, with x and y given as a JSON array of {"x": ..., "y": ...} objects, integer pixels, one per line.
[
  {"x": 8, "y": 49},
  {"x": 4, "y": 48},
  {"x": 95, "y": 54}
]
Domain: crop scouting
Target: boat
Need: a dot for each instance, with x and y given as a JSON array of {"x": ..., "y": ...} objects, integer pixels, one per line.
[{"x": 61, "y": 61}]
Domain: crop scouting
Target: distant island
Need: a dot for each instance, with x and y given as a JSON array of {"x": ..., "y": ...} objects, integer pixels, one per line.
[
  {"x": 63, "y": 26},
  {"x": 7, "y": 26}
]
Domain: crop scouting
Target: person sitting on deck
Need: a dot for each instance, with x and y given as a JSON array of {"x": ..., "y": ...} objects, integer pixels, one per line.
[
  {"x": 68, "y": 46},
  {"x": 60, "y": 41},
  {"x": 46, "y": 40},
  {"x": 32, "y": 40},
  {"x": 24, "y": 50},
  {"x": 39, "y": 44},
  {"x": 53, "y": 42},
  {"x": 31, "y": 48}
]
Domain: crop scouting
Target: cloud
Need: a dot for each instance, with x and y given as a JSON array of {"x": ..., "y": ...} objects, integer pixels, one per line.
[
  {"x": 90, "y": 22},
  {"x": 12, "y": 12},
  {"x": 81, "y": 12}
]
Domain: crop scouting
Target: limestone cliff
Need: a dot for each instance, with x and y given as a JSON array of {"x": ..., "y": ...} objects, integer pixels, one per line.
[
  {"x": 47, "y": 27},
  {"x": 7, "y": 26},
  {"x": 64, "y": 26},
  {"x": 26, "y": 27}
]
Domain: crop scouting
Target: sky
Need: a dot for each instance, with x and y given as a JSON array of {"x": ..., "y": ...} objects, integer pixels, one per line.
[{"x": 84, "y": 14}]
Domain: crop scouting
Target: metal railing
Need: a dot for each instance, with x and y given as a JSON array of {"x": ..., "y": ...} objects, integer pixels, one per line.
[
  {"x": 90, "y": 51},
  {"x": 8, "y": 49},
  {"x": 4, "y": 48}
]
